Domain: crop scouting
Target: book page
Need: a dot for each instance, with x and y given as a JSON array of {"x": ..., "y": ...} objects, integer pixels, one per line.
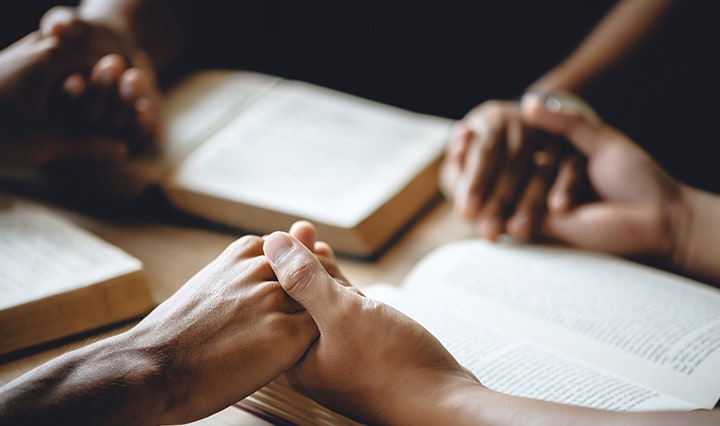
[
  {"x": 510, "y": 364},
  {"x": 315, "y": 153},
  {"x": 43, "y": 254},
  {"x": 194, "y": 109},
  {"x": 648, "y": 325}
]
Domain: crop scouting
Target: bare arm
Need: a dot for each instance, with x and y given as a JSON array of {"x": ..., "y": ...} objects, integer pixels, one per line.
[
  {"x": 698, "y": 234},
  {"x": 476, "y": 405},
  {"x": 614, "y": 41},
  {"x": 95, "y": 384}
]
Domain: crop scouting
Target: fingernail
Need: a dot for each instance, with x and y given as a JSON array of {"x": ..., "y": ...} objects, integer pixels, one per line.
[{"x": 276, "y": 246}]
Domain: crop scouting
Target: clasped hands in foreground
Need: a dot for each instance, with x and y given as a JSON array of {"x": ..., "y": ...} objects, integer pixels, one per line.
[
  {"x": 270, "y": 306},
  {"x": 264, "y": 307}
]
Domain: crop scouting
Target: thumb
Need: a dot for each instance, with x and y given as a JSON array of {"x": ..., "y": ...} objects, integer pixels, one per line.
[
  {"x": 601, "y": 226},
  {"x": 565, "y": 116},
  {"x": 582, "y": 227},
  {"x": 303, "y": 277}
]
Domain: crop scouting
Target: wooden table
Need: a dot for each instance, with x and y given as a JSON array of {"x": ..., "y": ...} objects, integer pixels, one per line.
[{"x": 173, "y": 252}]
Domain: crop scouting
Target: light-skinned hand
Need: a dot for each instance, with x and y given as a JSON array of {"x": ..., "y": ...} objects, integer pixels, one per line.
[
  {"x": 638, "y": 206},
  {"x": 371, "y": 362}
]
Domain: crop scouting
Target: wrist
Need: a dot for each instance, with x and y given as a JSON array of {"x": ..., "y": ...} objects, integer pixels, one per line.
[
  {"x": 695, "y": 236},
  {"x": 158, "y": 374},
  {"x": 107, "y": 382},
  {"x": 466, "y": 404},
  {"x": 438, "y": 397},
  {"x": 134, "y": 376},
  {"x": 681, "y": 215},
  {"x": 555, "y": 80}
]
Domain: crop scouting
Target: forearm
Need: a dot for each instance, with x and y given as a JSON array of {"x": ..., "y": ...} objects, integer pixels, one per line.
[
  {"x": 157, "y": 26},
  {"x": 697, "y": 234},
  {"x": 613, "y": 41},
  {"x": 475, "y": 405},
  {"x": 108, "y": 382}
]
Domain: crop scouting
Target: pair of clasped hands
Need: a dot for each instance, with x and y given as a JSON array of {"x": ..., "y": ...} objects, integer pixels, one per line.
[
  {"x": 75, "y": 90},
  {"x": 548, "y": 167}
]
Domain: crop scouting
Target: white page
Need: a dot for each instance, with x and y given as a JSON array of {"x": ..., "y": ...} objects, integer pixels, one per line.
[
  {"x": 514, "y": 365},
  {"x": 648, "y": 325},
  {"x": 193, "y": 110},
  {"x": 42, "y": 255},
  {"x": 315, "y": 153}
]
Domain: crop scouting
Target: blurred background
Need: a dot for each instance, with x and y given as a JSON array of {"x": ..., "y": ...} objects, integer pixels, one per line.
[{"x": 446, "y": 57}]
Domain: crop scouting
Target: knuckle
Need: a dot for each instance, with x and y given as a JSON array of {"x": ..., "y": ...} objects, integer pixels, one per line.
[
  {"x": 299, "y": 277},
  {"x": 279, "y": 322},
  {"x": 269, "y": 292},
  {"x": 248, "y": 245}
]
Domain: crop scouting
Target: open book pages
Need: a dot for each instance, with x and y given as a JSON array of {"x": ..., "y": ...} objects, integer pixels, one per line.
[
  {"x": 193, "y": 110},
  {"x": 555, "y": 324},
  {"x": 569, "y": 326},
  {"x": 314, "y": 153},
  {"x": 259, "y": 152},
  {"x": 57, "y": 279}
]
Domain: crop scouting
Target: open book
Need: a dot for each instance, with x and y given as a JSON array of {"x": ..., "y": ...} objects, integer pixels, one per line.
[
  {"x": 555, "y": 324},
  {"x": 259, "y": 152},
  {"x": 57, "y": 279}
]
